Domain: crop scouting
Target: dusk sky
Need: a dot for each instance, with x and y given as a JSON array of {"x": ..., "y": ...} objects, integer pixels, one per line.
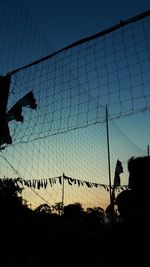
[
  {"x": 64, "y": 22},
  {"x": 71, "y": 96}
]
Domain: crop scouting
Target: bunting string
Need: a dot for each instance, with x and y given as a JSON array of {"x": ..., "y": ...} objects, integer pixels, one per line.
[{"x": 43, "y": 183}]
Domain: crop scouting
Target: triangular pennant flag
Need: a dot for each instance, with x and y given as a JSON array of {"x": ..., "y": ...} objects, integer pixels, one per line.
[
  {"x": 38, "y": 184},
  {"x": 45, "y": 183},
  {"x": 50, "y": 181},
  {"x": 69, "y": 181},
  {"x": 88, "y": 184},
  {"x": 34, "y": 183},
  {"x": 79, "y": 182},
  {"x": 74, "y": 180},
  {"x": 60, "y": 180}
]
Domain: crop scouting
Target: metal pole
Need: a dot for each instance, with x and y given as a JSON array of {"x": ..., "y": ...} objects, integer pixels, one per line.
[{"x": 63, "y": 190}]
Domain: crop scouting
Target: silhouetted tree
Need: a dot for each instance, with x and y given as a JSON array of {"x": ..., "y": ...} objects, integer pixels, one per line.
[
  {"x": 12, "y": 204},
  {"x": 15, "y": 222},
  {"x": 58, "y": 208},
  {"x": 43, "y": 209}
]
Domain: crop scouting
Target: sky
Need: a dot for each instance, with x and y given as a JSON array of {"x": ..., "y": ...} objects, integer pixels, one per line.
[{"x": 64, "y": 22}]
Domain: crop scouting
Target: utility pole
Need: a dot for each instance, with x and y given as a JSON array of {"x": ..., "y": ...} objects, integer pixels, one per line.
[
  {"x": 63, "y": 190},
  {"x": 109, "y": 171}
]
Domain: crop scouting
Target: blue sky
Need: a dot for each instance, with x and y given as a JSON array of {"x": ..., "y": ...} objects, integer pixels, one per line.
[{"x": 63, "y": 22}]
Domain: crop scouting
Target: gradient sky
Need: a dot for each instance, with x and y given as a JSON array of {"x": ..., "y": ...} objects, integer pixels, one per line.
[{"x": 63, "y": 22}]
